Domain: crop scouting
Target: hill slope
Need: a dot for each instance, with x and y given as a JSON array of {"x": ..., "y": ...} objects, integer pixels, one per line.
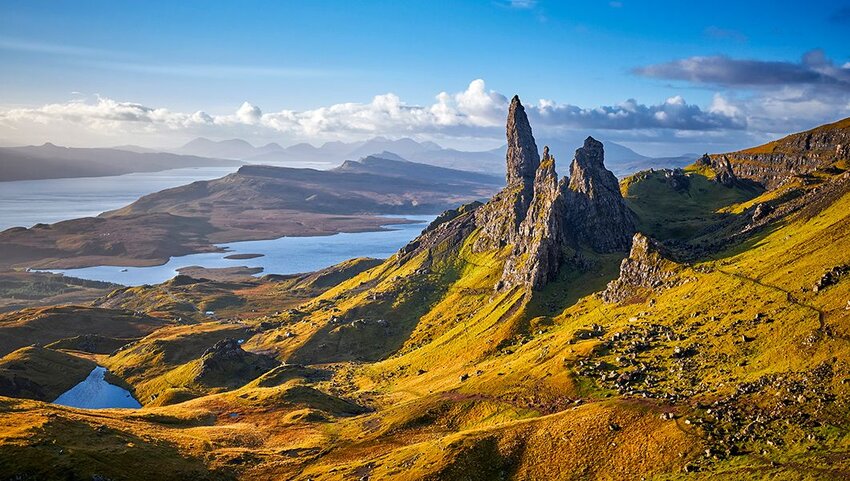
[
  {"x": 536, "y": 336},
  {"x": 795, "y": 155}
]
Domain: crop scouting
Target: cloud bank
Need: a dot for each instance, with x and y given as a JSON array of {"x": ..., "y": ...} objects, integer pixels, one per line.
[
  {"x": 775, "y": 97},
  {"x": 814, "y": 69},
  {"x": 753, "y": 101},
  {"x": 475, "y": 111}
]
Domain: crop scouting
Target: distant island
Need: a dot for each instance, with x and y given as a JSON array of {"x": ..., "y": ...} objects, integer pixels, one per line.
[{"x": 50, "y": 161}]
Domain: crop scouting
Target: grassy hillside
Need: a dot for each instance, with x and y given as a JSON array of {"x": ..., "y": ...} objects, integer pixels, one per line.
[
  {"x": 724, "y": 355},
  {"x": 42, "y": 374},
  {"x": 49, "y": 324},
  {"x": 670, "y": 214}
]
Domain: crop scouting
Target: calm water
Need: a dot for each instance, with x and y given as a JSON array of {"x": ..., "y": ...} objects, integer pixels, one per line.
[
  {"x": 286, "y": 255},
  {"x": 95, "y": 393},
  {"x": 27, "y": 202}
]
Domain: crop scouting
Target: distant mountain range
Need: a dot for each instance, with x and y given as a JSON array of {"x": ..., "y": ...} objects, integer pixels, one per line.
[
  {"x": 49, "y": 161},
  {"x": 621, "y": 159}
]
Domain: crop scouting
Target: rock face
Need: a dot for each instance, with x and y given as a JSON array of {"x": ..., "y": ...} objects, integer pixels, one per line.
[
  {"x": 535, "y": 259},
  {"x": 725, "y": 175},
  {"x": 595, "y": 209},
  {"x": 522, "y": 157},
  {"x": 646, "y": 268},
  {"x": 773, "y": 163}
]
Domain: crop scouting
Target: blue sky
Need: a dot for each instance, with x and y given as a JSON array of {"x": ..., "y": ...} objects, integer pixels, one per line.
[{"x": 160, "y": 73}]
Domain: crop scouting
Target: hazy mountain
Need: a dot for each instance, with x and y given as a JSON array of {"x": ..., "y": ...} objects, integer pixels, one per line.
[
  {"x": 135, "y": 148},
  {"x": 223, "y": 149},
  {"x": 389, "y": 164},
  {"x": 50, "y": 161},
  {"x": 621, "y": 159}
]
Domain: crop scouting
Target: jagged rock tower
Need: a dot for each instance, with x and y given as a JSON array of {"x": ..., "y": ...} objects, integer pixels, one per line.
[
  {"x": 544, "y": 219},
  {"x": 539, "y": 220}
]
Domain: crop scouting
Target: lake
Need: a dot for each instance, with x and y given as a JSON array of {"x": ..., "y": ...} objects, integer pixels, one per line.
[
  {"x": 96, "y": 393},
  {"x": 285, "y": 255},
  {"x": 28, "y": 202}
]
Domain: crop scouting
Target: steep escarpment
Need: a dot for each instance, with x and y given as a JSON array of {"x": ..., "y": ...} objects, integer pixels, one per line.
[{"x": 771, "y": 164}]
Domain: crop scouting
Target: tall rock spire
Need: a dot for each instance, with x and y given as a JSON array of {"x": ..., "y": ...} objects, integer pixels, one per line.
[
  {"x": 501, "y": 217},
  {"x": 538, "y": 254},
  {"x": 522, "y": 157},
  {"x": 544, "y": 220}
]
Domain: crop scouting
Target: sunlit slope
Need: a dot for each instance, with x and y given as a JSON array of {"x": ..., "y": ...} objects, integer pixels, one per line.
[{"x": 686, "y": 213}]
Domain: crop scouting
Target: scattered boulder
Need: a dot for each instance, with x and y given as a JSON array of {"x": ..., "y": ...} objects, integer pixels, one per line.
[
  {"x": 831, "y": 277},
  {"x": 761, "y": 211},
  {"x": 677, "y": 180}
]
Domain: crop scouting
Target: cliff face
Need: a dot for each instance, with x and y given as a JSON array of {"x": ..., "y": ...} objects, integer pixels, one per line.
[
  {"x": 538, "y": 254},
  {"x": 800, "y": 153},
  {"x": 500, "y": 218}
]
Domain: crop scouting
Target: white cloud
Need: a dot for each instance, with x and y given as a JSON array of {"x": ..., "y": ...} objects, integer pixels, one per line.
[
  {"x": 782, "y": 96},
  {"x": 474, "y": 113},
  {"x": 249, "y": 114},
  {"x": 522, "y": 3}
]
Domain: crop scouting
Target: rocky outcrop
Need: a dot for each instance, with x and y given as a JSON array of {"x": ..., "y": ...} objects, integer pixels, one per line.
[
  {"x": 677, "y": 179},
  {"x": 831, "y": 277},
  {"x": 647, "y": 268},
  {"x": 226, "y": 364},
  {"x": 797, "y": 154},
  {"x": 583, "y": 210},
  {"x": 445, "y": 235},
  {"x": 724, "y": 173},
  {"x": 544, "y": 221},
  {"x": 451, "y": 214},
  {"x": 596, "y": 213}
]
